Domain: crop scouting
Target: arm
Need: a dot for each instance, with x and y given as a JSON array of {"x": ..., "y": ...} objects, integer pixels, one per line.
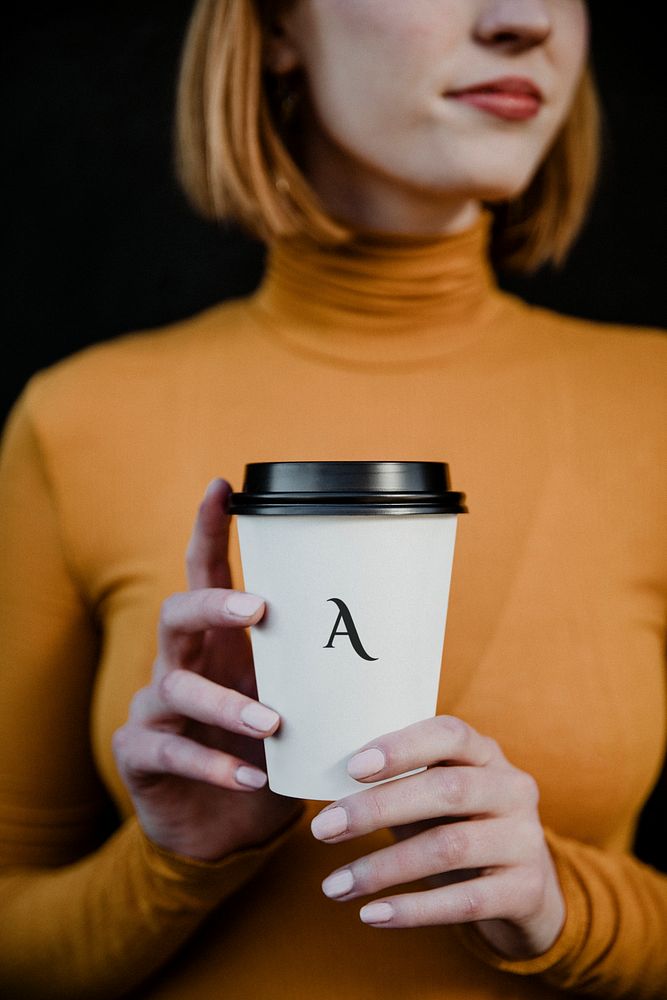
[
  {"x": 612, "y": 944},
  {"x": 100, "y": 926},
  {"x": 527, "y": 901},
  {"x": 79, "y": 919}
]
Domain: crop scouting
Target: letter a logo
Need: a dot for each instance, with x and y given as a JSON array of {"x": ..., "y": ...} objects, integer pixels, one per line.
[{"x": 352, "y": 634}]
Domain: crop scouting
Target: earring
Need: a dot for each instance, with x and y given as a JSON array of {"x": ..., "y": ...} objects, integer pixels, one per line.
[{"x": 287, "y": 99}]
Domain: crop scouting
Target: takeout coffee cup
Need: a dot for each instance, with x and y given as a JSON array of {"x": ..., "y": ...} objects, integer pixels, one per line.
[{"x": 354, "y": 561}]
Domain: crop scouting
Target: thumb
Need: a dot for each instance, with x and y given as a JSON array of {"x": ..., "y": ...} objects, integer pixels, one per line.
[{"x": 206, "y": 558}]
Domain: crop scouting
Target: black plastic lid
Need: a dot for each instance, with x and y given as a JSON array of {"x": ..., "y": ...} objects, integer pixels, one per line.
[{"x": 346, "y": 488}]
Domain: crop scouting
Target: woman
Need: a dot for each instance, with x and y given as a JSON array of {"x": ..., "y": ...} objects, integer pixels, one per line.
[{"x": 372, "y": 145}]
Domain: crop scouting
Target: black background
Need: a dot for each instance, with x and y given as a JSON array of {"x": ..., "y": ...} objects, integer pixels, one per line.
[{"x": 99, "y": 240}]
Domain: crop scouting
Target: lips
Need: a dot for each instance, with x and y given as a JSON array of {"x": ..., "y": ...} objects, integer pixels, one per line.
[{"x": 514, "y": 98}]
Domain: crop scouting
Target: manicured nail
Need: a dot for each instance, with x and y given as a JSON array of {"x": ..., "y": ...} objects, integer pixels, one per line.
[
  {"x": 330, "y": 823},
  {"x": 338, "y": 884},
  {"x": 376, "y": 913},
  {"x": 365, "y": 763},
  {"x": 259, "y": 717},
  {"x": 250, "y": 776},
  {"x": 212, "y": 486},
  {"x": 243, "y": 605}
]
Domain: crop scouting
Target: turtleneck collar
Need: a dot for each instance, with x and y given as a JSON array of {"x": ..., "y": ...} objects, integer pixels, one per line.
[{"x": 383, "y": 299}]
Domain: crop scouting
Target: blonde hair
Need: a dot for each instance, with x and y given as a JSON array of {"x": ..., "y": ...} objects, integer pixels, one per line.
[{"x": 233, "y": 155}]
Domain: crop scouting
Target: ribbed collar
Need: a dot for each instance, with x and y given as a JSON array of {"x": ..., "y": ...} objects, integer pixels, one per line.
[{"x": 384, "y": 299}]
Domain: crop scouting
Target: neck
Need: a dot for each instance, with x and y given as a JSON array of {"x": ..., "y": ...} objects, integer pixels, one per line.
[
  {"x": 365, "y": 199},
  {"x": 382, "y": 299}
]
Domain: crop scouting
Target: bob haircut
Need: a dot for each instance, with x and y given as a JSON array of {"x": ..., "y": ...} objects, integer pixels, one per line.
[{"x": 236, "y": 152}]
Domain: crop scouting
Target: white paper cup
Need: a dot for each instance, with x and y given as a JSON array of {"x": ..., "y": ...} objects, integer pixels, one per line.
[{"x": 350, "y": 645}]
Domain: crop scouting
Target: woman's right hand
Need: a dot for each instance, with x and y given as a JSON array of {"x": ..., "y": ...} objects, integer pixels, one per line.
[{"x": 191, "y": 751}]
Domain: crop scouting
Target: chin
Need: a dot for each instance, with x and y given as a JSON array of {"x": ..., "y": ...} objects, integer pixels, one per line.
[
  {"x": 500, "y": 179},
  {"x": 493, "y": 183},
  {"x": 498, "y": 188}
]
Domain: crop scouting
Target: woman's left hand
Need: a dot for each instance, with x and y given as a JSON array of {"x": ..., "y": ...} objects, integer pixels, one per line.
[{"x": 469, "y": 825}]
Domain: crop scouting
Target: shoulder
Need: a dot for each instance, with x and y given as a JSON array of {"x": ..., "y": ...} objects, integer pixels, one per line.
[
  {"x": 602, "y": 389},
  {"x": 155, "y": 356},
  {"x": 133, "y": 374},
  {"x": 600, "y": 362},
  {"x": 582, "y": 341},
  {"x": 609, "y": 382}
]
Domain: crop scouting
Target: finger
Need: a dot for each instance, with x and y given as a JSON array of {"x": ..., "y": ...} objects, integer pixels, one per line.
[
  {"x": 206, "y": 557},
  {"x": 437, "y": 792},
  {"x": 185, "y": 616},
  {"x": 445, "y": 848},
  {"x": 143, "y": 753},
  {"x": 184, "y": 693},
  {"x": 431, "y": 741},
  {"x": 485, "y": 898}
]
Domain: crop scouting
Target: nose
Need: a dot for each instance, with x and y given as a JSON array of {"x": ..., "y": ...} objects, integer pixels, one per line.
[{"x": 514, "y": 25}]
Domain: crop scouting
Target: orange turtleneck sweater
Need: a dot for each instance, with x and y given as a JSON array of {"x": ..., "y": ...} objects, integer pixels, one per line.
[{"x": 400, "y": 348}]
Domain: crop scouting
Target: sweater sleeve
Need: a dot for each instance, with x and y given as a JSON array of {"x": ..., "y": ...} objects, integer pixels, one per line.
[
  {"x": 612, "y": 944},
  {"x": 82, "y": 916}
]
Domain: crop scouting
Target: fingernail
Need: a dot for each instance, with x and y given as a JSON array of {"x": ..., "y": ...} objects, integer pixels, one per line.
[
  {"x": 243, "y": 605},
  {"x": 329, "y": 824},
  {"x": 365, "y": 763},
  {"x": 212, "y": 486},
  {"x": 338, "y": 884},
  {"x": 259, "y": 716},
  {"x": 376, "y": 913},
  {"x": 250, "y": 776}
]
